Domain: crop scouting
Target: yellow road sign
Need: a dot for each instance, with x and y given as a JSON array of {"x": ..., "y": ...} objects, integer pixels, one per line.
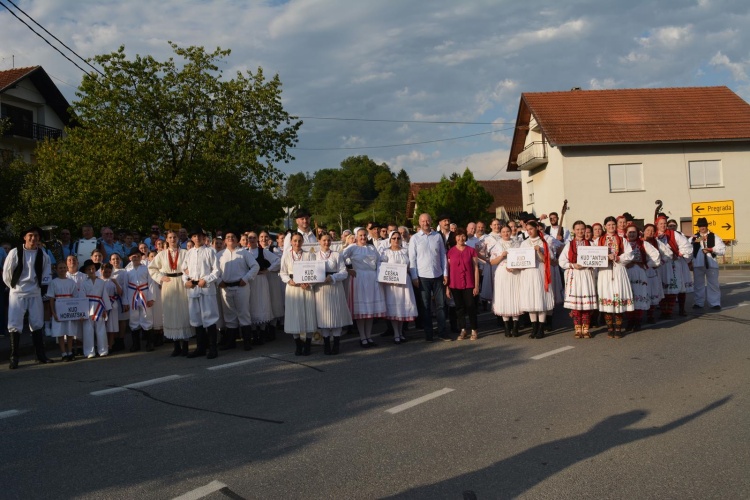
[
  {"x": 708, "y": 208},
  {"x": 721, "y": 225}
]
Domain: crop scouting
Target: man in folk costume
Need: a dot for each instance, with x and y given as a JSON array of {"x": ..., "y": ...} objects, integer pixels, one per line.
[
  {"x": 27, "y": 272},
  {"x": 706, "y": 247},
  {"x": 673, "y": 246},
  {"x": 238, "y": 268},
  {"x": 302, "y": 218},
  {"x": 200, "y": 274}
]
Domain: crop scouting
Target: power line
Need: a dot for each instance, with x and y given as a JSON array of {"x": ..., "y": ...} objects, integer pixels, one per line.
[
  {"x": 400, "y": 121},
  {"x": 403, "y": 144},
  {"x": 53, "y": 36}
]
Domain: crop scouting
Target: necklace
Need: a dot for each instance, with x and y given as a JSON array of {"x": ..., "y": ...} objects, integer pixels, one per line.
[{"x": 173, "y": 262}]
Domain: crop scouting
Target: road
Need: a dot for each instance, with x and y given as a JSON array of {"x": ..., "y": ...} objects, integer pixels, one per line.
[{"x": 659, "y": 414}]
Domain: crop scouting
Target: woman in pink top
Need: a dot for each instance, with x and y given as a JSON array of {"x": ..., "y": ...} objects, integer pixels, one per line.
[{"x": 463, "y": 284}]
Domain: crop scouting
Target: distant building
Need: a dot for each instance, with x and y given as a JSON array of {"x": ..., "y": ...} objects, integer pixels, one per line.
[
  {"x": 506, "y": 197},
  {"x": 613, "y": 151},
  {"x": 35, "y": 108}
]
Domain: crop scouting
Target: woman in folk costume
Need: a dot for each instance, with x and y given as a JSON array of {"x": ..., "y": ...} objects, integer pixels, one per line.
[
  {"x": 331, "y": 307},
  {"x": 645, "y": 256},
  {"x": 580, "y": 284},
  {"x": 673, "y": 247},
  {"x": 299, "y": 304},
  {"x": 485, "y": 251},
  {"x": 536, "y": 296},
  {"x": 366, "y": 297},
  {"x": 261, "y": 309},
  {"x": 166, "y": 269},
  {"x": 682, "y": 265},
  {"x": 613, "y": 284},
  {"x": 655, "y": 289},
  {"x": 275, "y": 285},
  {"x": 506, "y": 297},
  {"x": 400, "y": 301}
]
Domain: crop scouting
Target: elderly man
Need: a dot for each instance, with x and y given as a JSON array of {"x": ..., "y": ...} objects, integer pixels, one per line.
[
  {"x": 108, "y": 245},
  {"x": 429, "y": 274},
  {"x": 706, "y": 247}
]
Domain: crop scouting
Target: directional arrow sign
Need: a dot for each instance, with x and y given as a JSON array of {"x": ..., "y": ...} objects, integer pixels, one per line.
[
  {"x": 706, "y": 208},
  {"x": 698, "y": 209},
  {"x": 721, "y": 225}
]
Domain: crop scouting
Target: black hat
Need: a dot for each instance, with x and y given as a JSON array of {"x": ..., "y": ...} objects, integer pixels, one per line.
[
  {"x": 443, "y": 216},
  {"x": 88, "y": 263},
  {"x": 196, "y": 230},
  {"x": 301, "y": 212},
  {"x": 32, "y": 229},
  {"x": 702, "y": 222},
  {"x": 134, "y": 251}
]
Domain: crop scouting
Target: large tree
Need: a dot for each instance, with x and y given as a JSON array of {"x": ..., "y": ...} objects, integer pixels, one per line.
[
  {"x": 461, "y": 197},
  {"x": 166, "y": 140}
]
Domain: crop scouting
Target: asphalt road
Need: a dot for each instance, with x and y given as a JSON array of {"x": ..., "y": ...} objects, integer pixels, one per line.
[{"x": 659, "y": 414}]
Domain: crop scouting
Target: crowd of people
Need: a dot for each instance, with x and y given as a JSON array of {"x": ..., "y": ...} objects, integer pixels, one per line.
[{"x": 233, "y": 285}]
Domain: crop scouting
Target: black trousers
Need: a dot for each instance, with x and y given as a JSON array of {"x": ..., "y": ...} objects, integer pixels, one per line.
[{"x": 465, "y": 305}]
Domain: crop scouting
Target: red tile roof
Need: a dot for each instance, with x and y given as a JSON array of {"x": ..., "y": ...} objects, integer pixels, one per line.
[
  {"x": 10, "y": 76},
  {"x": 505, "y": 193},
  {"x": 632, "y": 116}
]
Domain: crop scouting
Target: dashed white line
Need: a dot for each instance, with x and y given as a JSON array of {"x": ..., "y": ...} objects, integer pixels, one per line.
[
  {"x": 11, "y": 413},
  {"x": 203, "y": 491},
  {"x": 136, "y": 385},
  {"x": 415, "y": 402},
  {"x": 552, "y": 353},
  {"x": 738, "y": 282},
  {"x": 232, "y": 365}
]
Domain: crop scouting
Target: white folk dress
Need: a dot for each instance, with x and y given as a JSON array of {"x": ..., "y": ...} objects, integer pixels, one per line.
[
  {"x": 366, "y": 297},
  {"x": 639, "y": 284},
  {"x": 175, "y": 313},
  {"x": 506, "y": 300},
  {"x": 331, "y": 307},
  {"x": 613, "y": 284},
  {"x": 580, "y": 284},
  {"x": 276, "y": 287},
  {"x": 488, "y": 242},
  {"x": 400, "y": 302},
  {"x": 261, "y": 310},
  {"x": 299, "y": 303},
  {"x": 533, "y": 297},
  {"x": 670, "y": 272},
  {"x": 62, "y": 288}
]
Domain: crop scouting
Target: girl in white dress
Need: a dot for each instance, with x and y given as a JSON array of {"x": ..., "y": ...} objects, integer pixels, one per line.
[
  {"x": 506, "y": 297},
  {"x": 682, "y": 266},
  {"x": 613, "y": 284},
  {"x": 645, "y": 257},
  {"x": 656, "y": 291},
  {"x": 275, "y": 285},
  {"x": 485, "y": 251},
  {"x": 580, "y": 286},
  {"x": 400, "y": 302},
  {"x": 121, "y": 304},
  {"x": 366, "y": 298},
  {"x": 261, "y": 310},
  {"x": 299, "y": 302},
  {"x": 331, "y": 307},
  {"x": 536, "y": 282},
  {"x": 62, "y": 287}
]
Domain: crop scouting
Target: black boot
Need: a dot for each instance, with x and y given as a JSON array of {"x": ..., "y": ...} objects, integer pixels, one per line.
[
  {"x": 540, "y": 330},
  {"x": 298, "y": 347},
  {"x": 185, "y": 347},
  {"x": 149, "y": 340},
  {"x": 177, "y": 350},
  {"x": 38, "y": 338},
  {"x": 257, "y": 338},
  {"x": 200, "y": 343},
  {"x": 229, "y": 339},
  {"x": 213, "y": 337},
  {"x": 246, "y": 337},
  {"x": 159, "y": 339},
  {"x": 534, "y": 329},
  {"x": 15, "y": 341},
  {"x": 136, "y": 335},
  {"x": 270, "y": 333},
  {"x": 506, "y": 326},
  {"x": 514, "y": 331},
  {"x": 308, "y": 346},
  {"x": 327, "y": 345},
  {"x": 336, "y": 345}
]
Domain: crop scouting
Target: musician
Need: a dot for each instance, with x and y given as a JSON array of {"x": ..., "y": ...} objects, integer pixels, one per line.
[
  {"x": 67, "y": 244},
  {"x": 555, "y": 231},
  {"x": 87, "y": 244},
  {"x": 706, "y": 247}
]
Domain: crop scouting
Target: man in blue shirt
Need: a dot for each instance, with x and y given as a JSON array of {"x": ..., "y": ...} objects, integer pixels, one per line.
[{"x": 429, "y": 274}]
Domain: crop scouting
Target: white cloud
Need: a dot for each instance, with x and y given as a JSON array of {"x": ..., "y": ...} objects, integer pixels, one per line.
[
  {"x": 607, "y": 83},
  {"x": 667, "y": 37},
  {"x": 738, "y": 70}
]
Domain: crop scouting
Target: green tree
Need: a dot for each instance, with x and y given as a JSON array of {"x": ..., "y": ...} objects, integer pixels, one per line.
[
  {"x": 166, "y": 140},
  {"x": 462, "y": 197}
]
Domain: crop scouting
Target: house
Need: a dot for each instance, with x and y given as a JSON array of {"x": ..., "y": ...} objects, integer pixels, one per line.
[
  {"x": 35, "y": 109},
  {"x": 506, "y": 197},
  {"x": 613, "y": 151}
]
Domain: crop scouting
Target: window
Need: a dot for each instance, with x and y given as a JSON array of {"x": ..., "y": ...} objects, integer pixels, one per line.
[
  {"x": 625, "y": 177},
  {"x": 705, "y": 174},
  {"x": 21, "y": 120},
  {"x": 530, "y": 192}
]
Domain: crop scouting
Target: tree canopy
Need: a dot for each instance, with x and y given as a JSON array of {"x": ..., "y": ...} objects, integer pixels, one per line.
[
  {"x": 165, "y": 140},
  {"x": 461, "y": 197}
]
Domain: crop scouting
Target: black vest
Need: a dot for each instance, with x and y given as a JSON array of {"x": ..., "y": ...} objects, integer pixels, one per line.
[
  {"x": 710, "y": 242},
  {"x": 38, "y": 266}
]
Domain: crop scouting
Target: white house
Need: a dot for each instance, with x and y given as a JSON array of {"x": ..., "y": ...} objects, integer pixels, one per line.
[
  {"x": 613, "y": 151},
  {"x": 35, "y": 109}
]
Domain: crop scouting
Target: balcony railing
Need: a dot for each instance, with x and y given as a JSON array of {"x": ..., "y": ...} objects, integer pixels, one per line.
[
  {"x": 34, "y": 131},
  {"x": 534, "y": 155}
]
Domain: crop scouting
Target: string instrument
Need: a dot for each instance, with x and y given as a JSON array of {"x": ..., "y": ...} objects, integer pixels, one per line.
[
  {"x": 53, "y": 244},
  {"x": 657, "y": 211},
  {"x": 561, "y": 231}
]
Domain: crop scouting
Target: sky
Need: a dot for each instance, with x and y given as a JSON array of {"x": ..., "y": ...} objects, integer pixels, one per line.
[{"x": 390, "y": 67}]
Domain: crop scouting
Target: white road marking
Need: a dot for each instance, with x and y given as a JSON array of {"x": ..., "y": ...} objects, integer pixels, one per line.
[
  {"x": 236, "y": 363},
  {"x": 203, "y": 491},
  {"x": 136, "y": 385},
  {"x": 738, "y": 282},
  {"x": 552, "y": 353},
  {"x": 11, "y": 413},
  {"x": 415, "y": 402}
]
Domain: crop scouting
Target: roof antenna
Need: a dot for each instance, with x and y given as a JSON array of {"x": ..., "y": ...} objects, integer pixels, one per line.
[{"x": 575, "y": 88}]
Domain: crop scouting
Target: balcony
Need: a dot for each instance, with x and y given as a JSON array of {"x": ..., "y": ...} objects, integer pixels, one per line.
[
  {"x": 31, "y": 130},
  {"x": 534, "y": 155}
]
